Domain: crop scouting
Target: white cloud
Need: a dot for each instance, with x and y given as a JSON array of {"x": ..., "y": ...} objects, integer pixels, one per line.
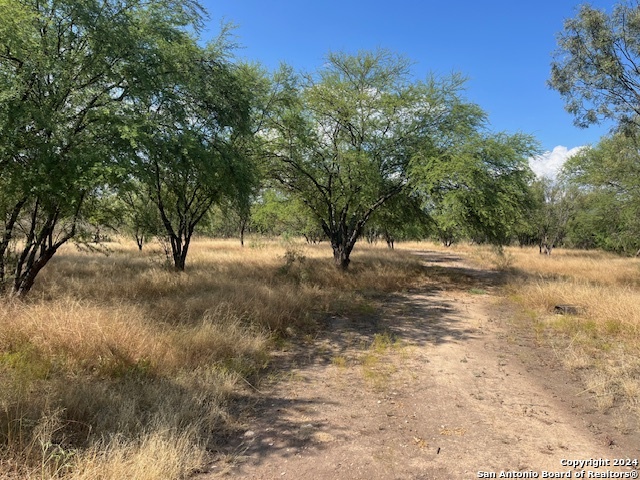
[{"x": 549, "y": 163}]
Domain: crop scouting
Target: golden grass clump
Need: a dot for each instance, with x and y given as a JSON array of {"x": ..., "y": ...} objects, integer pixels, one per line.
[{"x": 156, "y": 456}]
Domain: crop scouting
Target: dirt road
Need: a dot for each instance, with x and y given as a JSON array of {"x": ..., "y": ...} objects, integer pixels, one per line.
[{"x": 441, "y": 385}]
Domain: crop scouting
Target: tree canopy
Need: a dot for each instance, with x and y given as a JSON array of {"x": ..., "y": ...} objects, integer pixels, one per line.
[
  {"x": 478, "y": 186},
  {"x": 595, "y": 68},
  {"x": 73, "y": 76},
  {"x": 188, "y": 143},
  {"x": 608, "y": 175},
  {"x": 342, "y": 139},
  {"x": 103, "y": 100}
]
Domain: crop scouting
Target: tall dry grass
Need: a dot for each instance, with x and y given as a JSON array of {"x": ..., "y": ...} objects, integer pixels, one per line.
[
  {"x": 605, "y": 288},
  {"x": 118, "y": 367}
]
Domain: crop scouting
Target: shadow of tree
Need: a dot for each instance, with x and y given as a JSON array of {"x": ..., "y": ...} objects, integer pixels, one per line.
[
  {"x": 285, "y": 426},
  {"x": 282, "y": 425}
]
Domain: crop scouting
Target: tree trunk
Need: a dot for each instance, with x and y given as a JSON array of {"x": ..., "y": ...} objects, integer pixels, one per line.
[
  {"x": 40, "y": 246},
  {"x": 179, "y": 262},
  {"x": 34, "y": 258},
  {"x": 6, "y": 240},
  {"x": 24, "y": 283},
  {"x": 546, "y": 245},
  {"x": 179, "y": 249},
  {"x": 342, "y": 248},
  {"x": 344, "y": 235},
  {"x": 341, "y": 257},
  {"x": 390, "y": 240}
]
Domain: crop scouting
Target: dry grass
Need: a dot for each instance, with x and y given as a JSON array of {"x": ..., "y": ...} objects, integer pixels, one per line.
[
  {"x": 603, "y": 339},
  {"x": 605, "y": 288},
  {"x": 156, "y": 455},
  {"x": 118, "y": 367}
]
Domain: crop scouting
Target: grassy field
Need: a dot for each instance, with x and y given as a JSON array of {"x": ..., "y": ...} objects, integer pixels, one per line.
[{"x": 117, "y": 367}]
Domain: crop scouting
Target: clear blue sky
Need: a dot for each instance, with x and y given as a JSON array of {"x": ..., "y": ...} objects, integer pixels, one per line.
[{"x": 503, "y": 47}]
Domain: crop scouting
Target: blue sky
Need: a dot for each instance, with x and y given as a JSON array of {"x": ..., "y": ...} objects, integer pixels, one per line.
[{"x": 503, "y": 47}]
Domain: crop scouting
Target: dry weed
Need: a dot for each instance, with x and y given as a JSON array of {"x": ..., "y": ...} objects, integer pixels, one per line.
[{"x": 156, "y": 456}]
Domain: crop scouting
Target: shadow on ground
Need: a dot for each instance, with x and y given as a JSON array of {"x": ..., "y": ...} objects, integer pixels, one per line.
[{"x": 418, "y": 317}]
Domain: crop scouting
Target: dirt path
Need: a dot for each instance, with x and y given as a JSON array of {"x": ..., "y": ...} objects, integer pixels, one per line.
[{"x": 461, "y": 391}]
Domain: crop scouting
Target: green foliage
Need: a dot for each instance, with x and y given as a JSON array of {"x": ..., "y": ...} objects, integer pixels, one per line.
[
  {"x": 277, "y": 213},
  {"x": 556, "y": 206},
  {"x": 595, "y": 67},
  {"x": 341, "y": 140},
  {"x": 70, "y": 73},
  {"x": 595, "y": 70},
  {"x": 139, "y": 215},
  {"x": 190, "y": 143},
  {"x": 608, "y": 177},
  {"x": 448, "y": 215},
  {"x": 400, "y": 218},
  {"x": 478, "y": 187}
]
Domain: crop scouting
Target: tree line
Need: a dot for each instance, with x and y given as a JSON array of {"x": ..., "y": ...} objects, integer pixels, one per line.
[{"x": 114, "y": 114}]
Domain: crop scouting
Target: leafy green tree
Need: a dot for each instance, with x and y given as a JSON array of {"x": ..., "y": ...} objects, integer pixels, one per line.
[
  {"x": 189, "y": 145},
  {"x": 240, "y": 206},
  {"x": 401, "y": 218},
  {"x": 102, "y": 215},
  {"x": 227, "y": 220},
  {"x": 448, "y": 217},
  {"x": 140, "y": 218},
  {"x": 341, "y": 139},
  {"x": 248, "y": 93},
  {"x": 595, "y": 67},
  {"x": 242, "y": 210},
  {"x": 269, "y": 213},
  {"x": 557, "y": 205},
  {"x": 608, "y": 174},
  {"x": 70, "y": 70},
  {"x": 596, "y": 71},
  {"x": 277, "y": 213},
  {"x": 478, "y": 187},
  {"x": 599, "y": 223}
]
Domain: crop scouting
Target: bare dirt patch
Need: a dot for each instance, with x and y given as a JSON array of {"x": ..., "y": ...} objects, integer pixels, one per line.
[{"x": 440, "y": 383}]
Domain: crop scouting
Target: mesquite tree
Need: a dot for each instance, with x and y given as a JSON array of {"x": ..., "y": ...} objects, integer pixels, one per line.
[
  {"x": 341, "y": 140},
  {"x": 595, "y": 68},
  {"x": 70, "y": 71},
  {"x": 191, "y": 147}
]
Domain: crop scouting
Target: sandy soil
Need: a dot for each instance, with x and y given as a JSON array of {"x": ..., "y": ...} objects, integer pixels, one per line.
[{"x": 462, "y": 391}]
